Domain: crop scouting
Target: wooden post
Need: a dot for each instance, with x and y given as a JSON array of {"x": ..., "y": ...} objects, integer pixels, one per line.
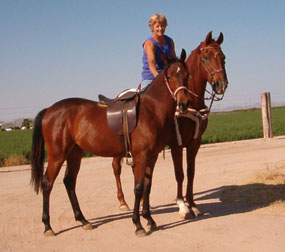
[{"x": 266, "y": 115}]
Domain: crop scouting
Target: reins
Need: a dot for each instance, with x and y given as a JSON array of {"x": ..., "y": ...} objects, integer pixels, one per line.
[{"x": 212, "y": 97}]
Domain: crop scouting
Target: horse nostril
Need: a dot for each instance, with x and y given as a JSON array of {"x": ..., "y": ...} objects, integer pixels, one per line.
[{"x": 183, "y": 106}]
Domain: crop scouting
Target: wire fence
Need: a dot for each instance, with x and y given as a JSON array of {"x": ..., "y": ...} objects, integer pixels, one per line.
[{"x": 232, "y": 102}]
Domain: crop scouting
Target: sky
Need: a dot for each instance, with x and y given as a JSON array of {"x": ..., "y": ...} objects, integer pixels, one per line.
[{"x": 51, "y": 50}]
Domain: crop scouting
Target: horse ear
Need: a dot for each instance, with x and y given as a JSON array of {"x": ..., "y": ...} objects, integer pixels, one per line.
[
  {"x": 183, "y": 55},
  {"x": 208, "y": 38},
  {"x": 220, "y": 38}
]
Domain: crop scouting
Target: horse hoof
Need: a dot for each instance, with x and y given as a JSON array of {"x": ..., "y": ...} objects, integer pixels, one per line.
[
  {"x": 152, "y": 227},
  {"x": 87, "y": 227},
  {"x": 183, "y": 209},
  {"x": 124, "y": 208},
  {"x": 196, "y": 211},
  {"x": 184, "y": 215},
  {"x": 140, "y": 233},
  {"x": 49, "y": 233}
]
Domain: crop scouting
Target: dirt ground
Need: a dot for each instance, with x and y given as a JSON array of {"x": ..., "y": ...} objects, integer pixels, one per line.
[{"x": 225, "y": 226}]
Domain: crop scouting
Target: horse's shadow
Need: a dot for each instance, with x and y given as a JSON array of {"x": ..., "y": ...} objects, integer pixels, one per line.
[
  {"x": 228, "y": 200},
  {"x": 98, "y": 221}
]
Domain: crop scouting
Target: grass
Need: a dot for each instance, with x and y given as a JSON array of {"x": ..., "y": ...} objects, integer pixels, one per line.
[
  {"x": 241, "y": 125},
  {"x": 222, "y": 127},
  {"x": 15, "y": 145}
]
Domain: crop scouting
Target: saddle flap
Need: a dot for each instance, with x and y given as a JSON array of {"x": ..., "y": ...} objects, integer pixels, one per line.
[{"x": 115, "y": 115}]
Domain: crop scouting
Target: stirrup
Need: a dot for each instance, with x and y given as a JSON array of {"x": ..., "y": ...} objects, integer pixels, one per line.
[{"x": 129, "y": 159}]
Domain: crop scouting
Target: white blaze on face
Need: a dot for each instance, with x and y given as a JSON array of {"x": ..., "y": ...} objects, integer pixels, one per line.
[{"x": 178, "y": 70}]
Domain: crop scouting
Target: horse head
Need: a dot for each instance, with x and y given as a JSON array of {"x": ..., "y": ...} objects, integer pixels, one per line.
[
  {"x": 176, "y": 75},
  {"x": 213, "y": 61}
]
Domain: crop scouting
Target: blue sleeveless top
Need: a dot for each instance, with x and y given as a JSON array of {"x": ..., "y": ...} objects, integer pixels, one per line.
[{"x": 166, "y": 49}]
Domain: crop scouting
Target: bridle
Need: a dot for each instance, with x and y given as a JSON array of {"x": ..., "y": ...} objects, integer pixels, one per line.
[
  {"x": 213, "y": 96},
  {"x": 205, "y": 66}
]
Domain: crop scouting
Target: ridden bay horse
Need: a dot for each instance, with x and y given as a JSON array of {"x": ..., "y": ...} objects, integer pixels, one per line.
[
  {"x": 73, "y": 125},
  {"x": 205, "y": 64}
]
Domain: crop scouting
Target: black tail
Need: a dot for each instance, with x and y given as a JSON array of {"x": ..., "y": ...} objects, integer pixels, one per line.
[{"x": 38, "y": 152}]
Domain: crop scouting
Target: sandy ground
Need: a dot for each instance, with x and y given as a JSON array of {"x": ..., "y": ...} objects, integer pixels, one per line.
[{"x": 224, "y": 227}]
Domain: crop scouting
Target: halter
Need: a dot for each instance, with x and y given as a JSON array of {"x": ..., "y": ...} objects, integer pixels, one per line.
[{"x": 173, "y": 94}]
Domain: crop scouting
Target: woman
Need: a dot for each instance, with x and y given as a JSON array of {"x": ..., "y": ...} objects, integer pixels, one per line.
[{"x": 156, "y": 44}]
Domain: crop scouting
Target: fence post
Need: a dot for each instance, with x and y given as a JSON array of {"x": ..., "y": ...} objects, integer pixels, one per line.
[{"x": 266, "y": 115}]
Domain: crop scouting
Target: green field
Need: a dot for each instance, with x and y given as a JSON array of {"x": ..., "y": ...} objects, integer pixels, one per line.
[
  {"x": 15, "y": 146},
  {"x": 242, "y": 124}
]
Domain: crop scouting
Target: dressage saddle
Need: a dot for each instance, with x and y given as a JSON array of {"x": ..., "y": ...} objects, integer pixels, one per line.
[{"x": 122, "y": 116}]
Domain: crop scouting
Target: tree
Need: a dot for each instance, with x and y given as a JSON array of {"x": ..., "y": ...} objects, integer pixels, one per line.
[{"x": 27, "y": 123}]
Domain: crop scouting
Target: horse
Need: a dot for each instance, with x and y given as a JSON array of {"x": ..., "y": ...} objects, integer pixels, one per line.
[
  {"x": 206, "y": 64},
  {"x": 74, "y": 125}
]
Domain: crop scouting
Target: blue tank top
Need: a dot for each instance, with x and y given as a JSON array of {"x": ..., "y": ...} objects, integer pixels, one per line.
[{"x": 166, "y": 50}]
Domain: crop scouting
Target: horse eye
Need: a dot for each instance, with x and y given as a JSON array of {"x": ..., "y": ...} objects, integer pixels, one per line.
[{"x": 206, "y": 57}]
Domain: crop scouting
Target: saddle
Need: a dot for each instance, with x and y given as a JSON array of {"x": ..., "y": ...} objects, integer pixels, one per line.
[{"x": 122, "y": 116}]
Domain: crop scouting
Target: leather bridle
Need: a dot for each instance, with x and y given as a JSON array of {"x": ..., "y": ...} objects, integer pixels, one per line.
[{"x": 206, "y": 68}]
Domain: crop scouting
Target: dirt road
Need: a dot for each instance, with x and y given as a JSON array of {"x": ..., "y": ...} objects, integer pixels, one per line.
[{"x": 226, "y": 226}]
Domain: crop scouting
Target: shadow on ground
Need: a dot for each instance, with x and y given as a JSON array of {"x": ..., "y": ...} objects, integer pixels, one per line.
[{"x": 232, "y": 199}]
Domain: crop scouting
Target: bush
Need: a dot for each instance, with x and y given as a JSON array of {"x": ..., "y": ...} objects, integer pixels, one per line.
[{"x": 14, "y": 160}]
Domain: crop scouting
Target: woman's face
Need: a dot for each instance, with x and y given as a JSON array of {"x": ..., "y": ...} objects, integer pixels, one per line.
[{"x": 158, "y": 29}]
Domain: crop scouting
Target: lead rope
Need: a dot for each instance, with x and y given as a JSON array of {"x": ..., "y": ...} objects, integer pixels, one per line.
[{"x": 178, "y": 135}]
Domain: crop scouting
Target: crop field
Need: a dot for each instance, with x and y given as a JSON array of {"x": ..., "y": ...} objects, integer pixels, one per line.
[
  {"x": 15, "y": 146},
  {"x": 241, "y": 125}
]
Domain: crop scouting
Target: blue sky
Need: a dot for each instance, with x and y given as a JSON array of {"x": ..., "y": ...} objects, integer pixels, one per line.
[{"x": 56, "y": 49}]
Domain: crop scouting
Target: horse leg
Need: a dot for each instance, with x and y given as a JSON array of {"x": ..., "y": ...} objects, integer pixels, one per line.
[
  {"x": 177, "y": 155},
  {"x": 47, "y": 185},
  {"x": 192, "y": 151},
  {"x": 72, "y": 169},
  {"x": 117, "y": 167},
  {"x": 151, "y": 225},
  {"x": 139, "y": 172}
]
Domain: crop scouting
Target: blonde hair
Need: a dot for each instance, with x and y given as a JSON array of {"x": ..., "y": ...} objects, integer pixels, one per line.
[{"x": 157, "y": 18}]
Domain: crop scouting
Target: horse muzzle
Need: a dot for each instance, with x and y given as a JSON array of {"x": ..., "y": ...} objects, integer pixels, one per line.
[
  {"x": 220, "y": 86},
  {"x": 182, "y": 106}
]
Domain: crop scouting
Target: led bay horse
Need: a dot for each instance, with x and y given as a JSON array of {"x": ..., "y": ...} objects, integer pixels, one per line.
[
  {"x": 73, "y": 125},
  {"x": 205, "y": 64}
]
